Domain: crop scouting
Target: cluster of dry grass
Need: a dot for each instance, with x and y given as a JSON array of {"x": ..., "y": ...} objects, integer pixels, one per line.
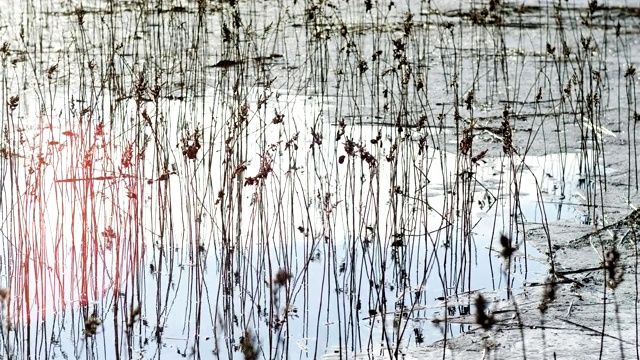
[{"x": 280, "y": 179}]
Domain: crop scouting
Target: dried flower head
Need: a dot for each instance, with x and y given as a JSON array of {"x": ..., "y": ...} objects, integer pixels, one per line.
[
  {"x": 507, "y": 141},
  {"x": 282, "y": 277},
  {"x": 613, "y": 268},
  {"x": 4, "y": 294},
  {"x": 482, "y": 318}
]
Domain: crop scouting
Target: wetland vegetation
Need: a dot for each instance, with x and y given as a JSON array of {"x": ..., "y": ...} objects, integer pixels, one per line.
[{"x": 318, "y": 179}]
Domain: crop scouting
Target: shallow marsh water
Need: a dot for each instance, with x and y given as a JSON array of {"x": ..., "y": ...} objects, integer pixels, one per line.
[{"x": 179, "y": 178}]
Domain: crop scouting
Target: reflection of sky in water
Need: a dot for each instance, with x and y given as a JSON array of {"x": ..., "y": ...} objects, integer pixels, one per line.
[{"x": 331, "y": 277}]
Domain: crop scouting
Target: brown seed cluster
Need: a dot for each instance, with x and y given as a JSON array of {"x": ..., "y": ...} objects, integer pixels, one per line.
[
  {"x": 354, "y": 149},
  {"x": 482, "y": 317},
  {"x": 282, "y": 277},
  {"x": 91, "y": 325},
  {"x": 507, "y": 144},
  {"x": 4, "y": 294},
  {"x": 264, "y": 171},
  {"x": 191, "y": 144},
  {"x": 467, "y": 140},
  {"x": 613, "y": 268}
]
